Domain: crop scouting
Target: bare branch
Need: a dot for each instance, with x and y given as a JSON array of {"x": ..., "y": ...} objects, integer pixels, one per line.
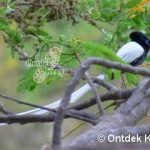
[
  {"x": 72, "y": 84},
  {"x": 49, "y": 117},
  {"x": 97, "y": 95},
  {"x": 88, "y": 117},
  {"x": 22, "y": 54},
  {"x": 112, "y": 95},
  {"x": 105, "y": 84},
  {"x": 4, "y": 110},
  {"x": 116, "y": 65},
  {"x": 24, "y": 103},
  {"x": 127, "y": 115}
]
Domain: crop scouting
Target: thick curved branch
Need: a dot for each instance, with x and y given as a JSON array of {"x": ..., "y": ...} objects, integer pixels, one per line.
[
  {"x": 128, "y": 114},
  {"x": 49, "y": 117},
  {"x": 80, "y": 115},
  {"x": 77, "y": 77}
]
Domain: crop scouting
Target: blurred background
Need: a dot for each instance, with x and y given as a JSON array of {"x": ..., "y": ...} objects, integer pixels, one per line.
[{"x": 33, "y": 136}]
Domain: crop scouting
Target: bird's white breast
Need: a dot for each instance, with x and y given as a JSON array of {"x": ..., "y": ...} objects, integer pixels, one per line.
[{"x": 130, "y": 51}]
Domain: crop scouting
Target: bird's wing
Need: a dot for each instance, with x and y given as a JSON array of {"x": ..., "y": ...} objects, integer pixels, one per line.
[{"x": 130, "y": 51}]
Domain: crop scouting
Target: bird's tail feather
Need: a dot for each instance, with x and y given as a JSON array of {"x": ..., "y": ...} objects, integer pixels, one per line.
[{"x": 74, "y": 98}]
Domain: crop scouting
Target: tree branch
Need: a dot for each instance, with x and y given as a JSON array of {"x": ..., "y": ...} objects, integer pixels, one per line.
[
  {"x": 128, "y": 114},
  {"x": 4, "y": 110},
  {"x": 49, "y": 117},
  {"x": 72, "y": 84},
  {"x": 112, "y": 95},
  {"x": 105, "y": 84},
  {"x": 97, "y": 95},
  {"x": 85, "y": 116}
]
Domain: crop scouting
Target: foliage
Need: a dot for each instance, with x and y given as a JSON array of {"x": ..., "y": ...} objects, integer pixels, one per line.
[
  {"x": 27, "y": 83},
  {"x": 24, "y": 22}
]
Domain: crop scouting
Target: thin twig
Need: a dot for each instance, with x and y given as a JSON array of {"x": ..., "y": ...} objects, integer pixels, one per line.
[
  {"x": 105, "y": 84},
  {"x": 4, "y": 110},
  {"x": 112, "y": 95},
  {"x": 22, "y": 54},
  {"x": 97, "y": 95},
  {"x": 123, "y": 81},
  {"x": 24, "y": 103},
  {"x": 89, "y": 79},
  {"x": 88, "y": 117},
  {"x": 92, "y": 22}
]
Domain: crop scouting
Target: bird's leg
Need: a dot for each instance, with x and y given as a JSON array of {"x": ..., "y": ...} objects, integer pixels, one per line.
[{"x": 123, "y": 81}]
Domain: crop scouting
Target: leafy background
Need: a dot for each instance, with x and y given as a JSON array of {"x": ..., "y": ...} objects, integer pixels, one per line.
[{"x": 87, "y": 28}]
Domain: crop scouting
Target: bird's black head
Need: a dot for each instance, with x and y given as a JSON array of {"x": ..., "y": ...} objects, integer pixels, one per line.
[{"x": 141, "y": 39}]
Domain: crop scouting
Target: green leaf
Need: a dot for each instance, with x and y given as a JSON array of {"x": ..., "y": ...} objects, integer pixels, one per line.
[
  {"x": 41, "y": 32},
  {"x": 100, "y": 50},
  {"x": 132, "y": 79},
  {"x": 31, "y": 30},
  {"x": 3, "y": 24},
  {"x": 2, "y": 10},
  {"x": 27, "y": 83},
  {"x": 112, "y": 73},
  {"x": 147, "y": 59},
  {"x": 14, "y": 36}
]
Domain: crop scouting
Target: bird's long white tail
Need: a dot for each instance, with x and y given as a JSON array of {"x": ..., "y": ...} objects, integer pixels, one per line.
[{"x": 74, "y": 98}]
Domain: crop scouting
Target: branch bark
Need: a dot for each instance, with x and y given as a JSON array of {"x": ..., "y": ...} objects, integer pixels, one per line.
[
  {"x": 126, "y": 116},
  {"x": 77, "y": 77}
]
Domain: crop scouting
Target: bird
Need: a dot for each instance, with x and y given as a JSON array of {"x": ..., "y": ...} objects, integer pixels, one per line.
[{"x": 133, "y": 52}]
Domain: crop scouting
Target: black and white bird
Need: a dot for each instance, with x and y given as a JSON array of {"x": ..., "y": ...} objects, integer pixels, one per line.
[
  {"x": 136, "y": 51},
  {"x": 133, "y": 52}
]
